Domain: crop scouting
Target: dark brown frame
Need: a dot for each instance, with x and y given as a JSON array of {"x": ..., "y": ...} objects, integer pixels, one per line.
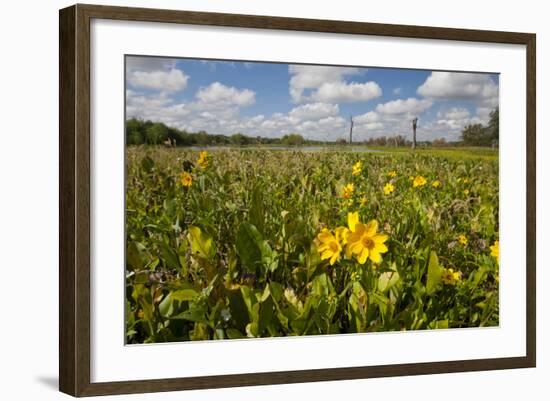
[{"x": 74, "y": 199}]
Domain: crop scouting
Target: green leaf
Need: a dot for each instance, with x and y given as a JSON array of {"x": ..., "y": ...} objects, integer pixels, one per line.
[
  {"x": 233, "y": 334},
  {"x": 195, "y": 314},
  {"x": 248, "y": 250},
  {"x": 133, "y": 255},
  {"x": 434, "y": 274},
  {"x": 439, "y": 324},
  {"x": 169, "y": 255},
  {"x": 252, "y": 330},
  {"x": 201, "y": 243},
  {"x": 250, "y": 300},
  {"x": 166, "y": 306},
  {"x": 256, "y": 213},
  {"x": 184, "y": 295},
  {"x": 147, "y": 164},
  {"x": 387, "y": 280}
]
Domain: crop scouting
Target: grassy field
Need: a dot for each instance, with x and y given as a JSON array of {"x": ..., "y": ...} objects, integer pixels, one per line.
[{"x": 257, "y": 243}]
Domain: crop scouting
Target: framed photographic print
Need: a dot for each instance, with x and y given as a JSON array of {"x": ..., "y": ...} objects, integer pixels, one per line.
[{"x": 261, "y": 200}]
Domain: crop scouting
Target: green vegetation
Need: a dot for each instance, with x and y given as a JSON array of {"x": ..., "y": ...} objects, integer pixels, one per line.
[
  {"x": 256, "y": 243},
  {"x": 140, "y": 132},
  {"x": 479, "y": 135}
]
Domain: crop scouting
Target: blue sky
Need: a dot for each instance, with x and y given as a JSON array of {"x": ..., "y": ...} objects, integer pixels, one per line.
[{"x": 273, "y": 99}]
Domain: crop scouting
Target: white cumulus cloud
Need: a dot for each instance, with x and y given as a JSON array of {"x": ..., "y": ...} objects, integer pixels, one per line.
[
  {"x": 217, "y": 94},
  {"x": 166, "y": 81},
  {"x": 461, "y": 86},
  {"x": 347, "y": 92},
  {"x": 454, "y": 113},
  {"x": 404, "y": 106},
  {"x": 314, "y": 111},
  {"x": 327, "y": 84}
]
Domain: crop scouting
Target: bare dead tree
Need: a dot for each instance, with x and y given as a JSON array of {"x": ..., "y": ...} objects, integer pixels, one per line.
[
  {"x": 414, "y": 122},
  {"x": 350, "y": 129}
]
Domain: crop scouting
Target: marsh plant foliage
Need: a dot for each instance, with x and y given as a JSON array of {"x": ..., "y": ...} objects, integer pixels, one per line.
[{"x": 240, "y": 243}]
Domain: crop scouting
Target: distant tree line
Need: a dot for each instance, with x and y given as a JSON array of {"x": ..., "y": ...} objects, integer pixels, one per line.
[
  {"x": 472, "y": 135},
  {"x": 480, "y": 135},
  {"x": 139, "y": 132}
]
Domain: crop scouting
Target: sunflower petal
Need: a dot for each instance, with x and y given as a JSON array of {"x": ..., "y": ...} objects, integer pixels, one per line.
[
  {"x": 375, "y": 256},
  {"x": 326, "y": 255},
  {"x": 348, "y": 251},
  {"x": 353, "y": 219},
  {"x": 363, "y": 256},
  {"x": 371, "y": 228},
  {"x": 381, "y": 248}
]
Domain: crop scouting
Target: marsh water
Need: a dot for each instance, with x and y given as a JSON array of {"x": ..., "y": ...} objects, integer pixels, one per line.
[{"x": 310, "y": 148}]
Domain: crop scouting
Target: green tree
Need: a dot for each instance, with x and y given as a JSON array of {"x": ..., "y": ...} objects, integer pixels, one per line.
[
  {"x": 475, "y": 135},
  {"x": 156, "y": 134},
  {"x": 479, "y": 135},
  {"x": 240, "y": 139},
  {"x": 293, "y": 140},
  {"x": 134, "y": 132},
  {"x": 492, "y": 127}
]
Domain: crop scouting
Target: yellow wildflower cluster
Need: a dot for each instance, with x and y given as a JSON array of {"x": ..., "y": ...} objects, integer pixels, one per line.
[
  {"x": 462, "y": 239},
  {"x": 449, "y": 276},
  {"x": 436, "y": 184},
  {"x": 361, "y": 241},
  {"x": 348, "y": 191},
  {"x": 357, "y": 168},
  {"x": 495, "y": 251},
  {"x": 204, "y": 159},
  {"x": 392, "y": 174},
  {"x": 419, "y": 181}
]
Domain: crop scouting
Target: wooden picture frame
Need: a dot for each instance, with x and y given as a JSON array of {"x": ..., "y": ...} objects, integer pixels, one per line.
[{"x": 74, "y": 199}]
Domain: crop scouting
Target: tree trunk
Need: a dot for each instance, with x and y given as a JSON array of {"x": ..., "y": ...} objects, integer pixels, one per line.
[
  {"x": 414, "y": 133},
  {"x": 351, "y": 130}
]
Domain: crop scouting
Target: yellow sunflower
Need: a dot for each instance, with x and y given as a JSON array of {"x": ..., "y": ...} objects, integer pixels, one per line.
[
  {"x": 329, "y": 245},
  {"x": 363, "y": 241},
  {"x": 186, "y": 179},
  {"x": 388, "y": 188},
  {"x": 419, "y": 181},
  {"x": 357, "y": 168}
]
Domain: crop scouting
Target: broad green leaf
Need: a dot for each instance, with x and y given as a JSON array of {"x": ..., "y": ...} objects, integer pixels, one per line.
[
  {"x": 257, "y": 212},
  {"x": 248, "y": 249},
  {"x": 184, "y": 295},
  {"x": 133, "y": 255},
  {"x": 387, "y": 280},
  {"x": 233, "y": 334},
  {"x": 169, "y": 255},
  {"x": 194, "y": 314},
  {"x": 166, "y": 306},
  {"x": 434, "y": 274},
  {"x": 201, "y": 243},
  {"x": 252, "y": 329}
]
